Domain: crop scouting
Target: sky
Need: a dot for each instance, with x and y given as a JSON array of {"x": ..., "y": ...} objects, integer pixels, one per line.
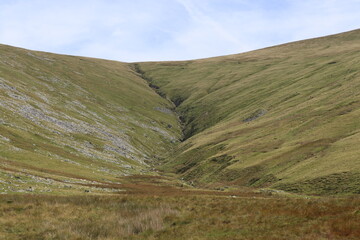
[{"x": 159, "y": 30}]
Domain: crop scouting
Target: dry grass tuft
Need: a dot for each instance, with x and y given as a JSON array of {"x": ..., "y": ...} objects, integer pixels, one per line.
[{"x": 40, "y": 217}]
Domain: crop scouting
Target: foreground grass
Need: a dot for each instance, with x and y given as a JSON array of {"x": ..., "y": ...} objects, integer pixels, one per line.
[
  {"x": 197, "y": 216},
  {"x": 78, "y": 217}
]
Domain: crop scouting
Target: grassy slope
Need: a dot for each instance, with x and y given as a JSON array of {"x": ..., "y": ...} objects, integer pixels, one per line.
[
  {"x": 75, "y": 120},
  {"x": 285, "y": 116}
]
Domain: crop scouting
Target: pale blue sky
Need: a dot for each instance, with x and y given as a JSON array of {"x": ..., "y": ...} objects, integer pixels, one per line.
[{"x": 143, "y": 30}]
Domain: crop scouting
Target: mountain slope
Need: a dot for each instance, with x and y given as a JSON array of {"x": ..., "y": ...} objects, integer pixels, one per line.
[
  {"x": 68, "y": 120},
  {"x": 285, "y": 116}
]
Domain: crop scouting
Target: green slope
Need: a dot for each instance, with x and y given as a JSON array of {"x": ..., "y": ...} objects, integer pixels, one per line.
[
  {"x": 285, "y": 116},
  {"x": 67, "y": 120}
]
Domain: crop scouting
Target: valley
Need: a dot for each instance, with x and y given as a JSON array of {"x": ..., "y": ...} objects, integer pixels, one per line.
[{"x": 257, "y": 145}]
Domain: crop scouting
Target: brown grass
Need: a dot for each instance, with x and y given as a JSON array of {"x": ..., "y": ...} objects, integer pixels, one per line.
[
  {"x": 79, "y": 217},
  {"x": 154, "y": 208}
]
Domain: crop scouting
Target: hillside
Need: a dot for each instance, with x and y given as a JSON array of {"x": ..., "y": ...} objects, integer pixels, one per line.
[
  {"x": 67, "y": 122},
  {"x": 284, "y": 117}
]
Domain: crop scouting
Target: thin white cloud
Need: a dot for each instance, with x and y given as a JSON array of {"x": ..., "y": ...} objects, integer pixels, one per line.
[
  {"x": 140, "y": 30},
  {"x": 205, "y": 33},
  {"x": 206, "y": 21}
]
